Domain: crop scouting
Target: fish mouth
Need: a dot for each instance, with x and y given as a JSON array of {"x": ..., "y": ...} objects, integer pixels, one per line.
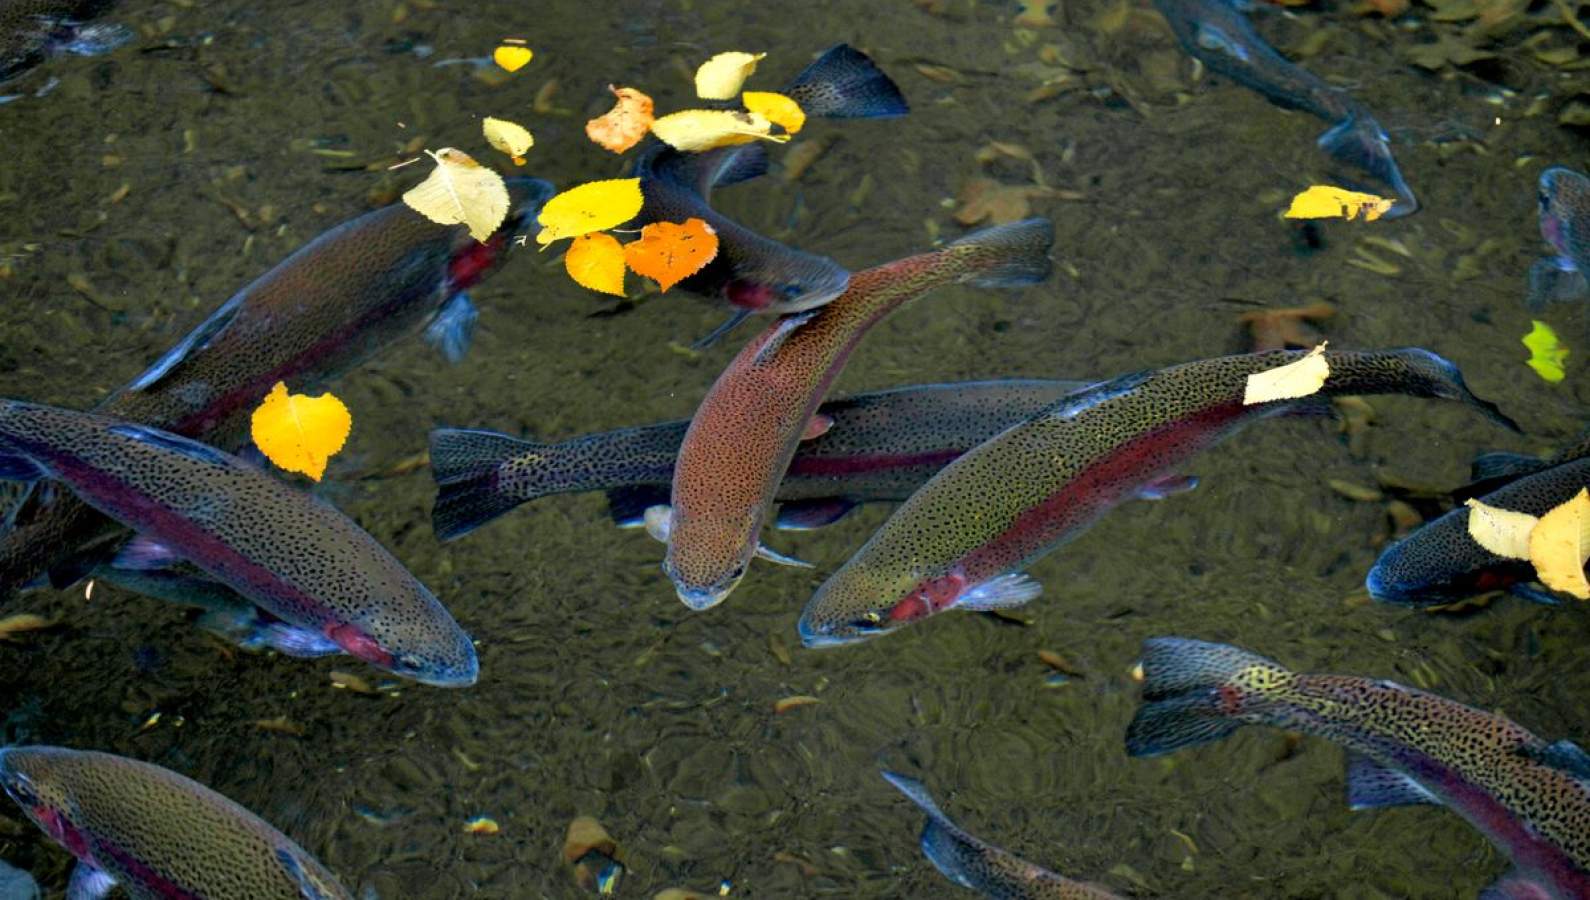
[
  {"x": 700, "y": 599},
  {"x": 439, "y": 674},
  {"x": 815, "y": 638}
]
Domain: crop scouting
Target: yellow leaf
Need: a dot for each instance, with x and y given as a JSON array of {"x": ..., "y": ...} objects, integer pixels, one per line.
[
  {"x": 1326, "y": 202},
  {"x": 593, "y": 206},
  {"x": 461, "y": 190},
  {"x": 720, "y": 77},
  {"x": 596, "y": 261},
  {"x": 511, "y": 57},
  {"x": 1560, "y": 544},
  {"x": 777, "y": 108},
  {"x": 1295, "y": 379},
  {"x": 1546, "y": 353},
  {"x": 623, "y": 126},
  {"x": 694, "y": 130},
  {"x": 509, "y": 137},
  {"x": 298, "y": 432},
  {"x": 670, "y": 252},
  {"x": 1501, "y": 531}
]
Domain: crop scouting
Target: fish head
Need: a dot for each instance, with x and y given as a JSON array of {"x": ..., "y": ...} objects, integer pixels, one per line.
[
  {"x": 706, "y": 559},
  {"x": 1440, "y": 566},
  {"x": 429, "y": 649},
  {"x": 470, "y": 260},
  {"x": 32, "y": 778},
  {"x": 785, "y": 282},
  {"x": 855, "y": 605},
  {"x": 1564, "y": 198}
]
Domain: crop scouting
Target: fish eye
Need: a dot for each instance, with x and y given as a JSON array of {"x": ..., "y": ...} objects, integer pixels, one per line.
[{"x": 871, "y": 620}]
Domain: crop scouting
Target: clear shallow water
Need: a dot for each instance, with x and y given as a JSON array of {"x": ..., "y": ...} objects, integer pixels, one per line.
[{"x": 601, "y": 694}]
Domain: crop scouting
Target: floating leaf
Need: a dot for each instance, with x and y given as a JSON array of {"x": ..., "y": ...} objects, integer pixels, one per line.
[
  {"x": 1546, "y": 353},
  {"x": 623, "y": 126},
  {"x": 1325, "y": 202},
  {"x": 1559, "y": 544},
  {"x": 511, "y": 57},
  {"x": 1299, "y": 378},
  {"x": 776, "y": 108},
  {"x": 720, "y": 77},
  {"x": 669, "y": 252},
  {"x": 596, "y": 261},
  {"x": 460, "y": 190},
  {"x": 1501, "y": 531},
  {"x": 694, "y": 130},
  {"x": 481, "y": 825},
  {"x": 298, "y": 432},
  {"x": 509, "y": 137},
  {"x": 593, "y": 206}
]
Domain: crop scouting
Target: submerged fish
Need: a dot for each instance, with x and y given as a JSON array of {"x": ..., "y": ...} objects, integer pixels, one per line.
[
  {"x": 746, "y": 430},
  {"x": 329, "y": 306},
  {"x": 288, "y": 552},
  {"x": 753, "y": 273},
  {"x": 1216, "y": 33},
  {"x": 156, "y": 834},
  {"x": 33, "y": 30},
  {"x": 875, "y": 446},
  {"x": 975, "y": 864},
  {"x": 962, "y": 540},
  {"x": 1564, "y": 200},
  {"x": 1530, "y": 798}
]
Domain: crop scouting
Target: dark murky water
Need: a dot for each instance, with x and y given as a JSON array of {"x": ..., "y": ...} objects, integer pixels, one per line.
[{"x": 151, "y": 183}]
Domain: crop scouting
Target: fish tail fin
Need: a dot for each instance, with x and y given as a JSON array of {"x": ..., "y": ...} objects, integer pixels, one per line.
[
  {"x": 845, "y": 83},
  {"x": 1195, "y": 692},
  {"x": 466, "y": 464},
  {"x": 1359, "y": 141},
  {"x": 1009, "y": 255}
]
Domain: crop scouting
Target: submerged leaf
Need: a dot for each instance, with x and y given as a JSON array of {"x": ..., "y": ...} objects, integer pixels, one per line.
[
  {"x": 460, "y": 190},
  {"x": 593, "y": 206},
  {"x": 511, "y": 57},
  {"x": 1299, "y": 378},
  {"x": 777, "y": 108},
  {"x": 596, "y": 261},
  {"x": 300, "y": 433},
  {"x": 1559, "y": 544},
  {"x": 623, "y": 126},
  {"x": 1501, "y": 531},
  {"x": 509, "y": 137},
  {"x": 720, "y": 77},
  {"x": 1546, "y": 353},
  {"x": 1322, "y": 201},
  {"x": 694, "y": 130},
  {"x": 669, "y": 252}
]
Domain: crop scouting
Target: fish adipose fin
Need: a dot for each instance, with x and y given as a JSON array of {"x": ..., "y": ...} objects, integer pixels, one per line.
[
  {"x": 1554, "y": 280},
  {"x": 1010, "y": 255},
  {"x": 1359, "y": 141},
  {"x": 1183, "y": 702},
  {"x": 464, "y": 463},
  {"x": 195, "y": 340},
  {"x": 806, "y": 515},
  {"x": 453, "y": 327},
  {"x": 1003, "y": 592},
  {"x": 845, "y": 83},
  {"x": 88, "y": 883},
  {"x": 1371, "y": 786}
]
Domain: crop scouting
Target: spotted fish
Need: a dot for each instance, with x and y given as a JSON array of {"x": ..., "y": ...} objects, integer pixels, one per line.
[
  {"x": 33, "y": 30},
  {"x": 156, "y": 834},
  {"x": 962, "y": 540},
  {"x": 1216, "y": 33},
  {"x": 286, "y": 551},
  {"x": 976, "y": 864},
  {"x": 879, "y": 446},
  {"x": 328, "y": 307},
  {"x": 1563, "y": 196},
  {"x": 746, "y": 430},
  {"x": 1528, "y": 797}
]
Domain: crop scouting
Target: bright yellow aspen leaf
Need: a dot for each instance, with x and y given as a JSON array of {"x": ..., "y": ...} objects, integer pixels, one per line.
[
  {"x": 720, "y": 77},
  {"x": 1546, "y": 354},
  {"x": 593, "y": 206},
  {"x": 511, "y": 57},
  {"x": 1325, "y": 202},
  {"x": 669, "y": 252},
  {"x": 298, "y": 432},
  {"x": 695, "y": 130},
  {"x": 1560, "y": 544},
  {"x": 509, "y": 137},
  {"x": 1501, "y": 531},
  {"x": 460, "y": 190},
  {"x": 623, "y": 126},
  {"x": 776, "y": 108},
  {"x": 596, "y": 261},
  {"x": 1298, "y": 378}
]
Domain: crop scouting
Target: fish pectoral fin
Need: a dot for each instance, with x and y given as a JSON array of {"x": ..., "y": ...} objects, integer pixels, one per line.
[
  {"x": 817, "y": 427},
  {"x": 1554, "y": 280},
  {"x": 805, "y": 515},
  {"x": 1003, "y": 592},
  {"x": 1532, "y": 594},
  {"x": 453, "y": 327},
  {"x": 771, "y": 555},
  {"x": 1500, "y": 465},
  {"x": 17, "y": 467},
  {"x": 722, "y": 330},
  {"x": 1566, "y": 756},
  {"x": 1515, "y": 886},
  {"x": 1372, "y": 786},
  {"x": 659, "y": 521},
  {"x": 88, "y": 883},
  {"x": 195, "y": 340},
  {"x": 786, "y": 326},
  {"x": 144, "y": 553},
  {"x": 1167, "y": 486}
]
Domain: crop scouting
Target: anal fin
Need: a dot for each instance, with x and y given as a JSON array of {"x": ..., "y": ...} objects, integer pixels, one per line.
[{"x": 88, "y": 883}]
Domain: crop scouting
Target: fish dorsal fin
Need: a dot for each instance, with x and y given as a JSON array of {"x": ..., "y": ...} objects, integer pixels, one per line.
[
  {"x": 174, "y": 443},
  {"x": 197, "y": 339},
  {"x": 1565, "y": 755},
  {"x": 1072, "y": 405},
  {"x": 1371, "y": 786},
  {"x": 712, "y": 169},
  {"x": 309, "y": 887}
]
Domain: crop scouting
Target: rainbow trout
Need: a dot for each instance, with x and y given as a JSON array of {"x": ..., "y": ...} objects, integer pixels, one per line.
[
  {"x": 1216, "y": 33},
  {"x": 976, "y": 864},
  {"x": 1529, "y": 798},
  {"x": 34, "y": 30},
  {"x": 156, "y": 834},
  {"x": 962, "y": 540},
  {"x": 1563, "y": 196},
  {"x": 329, "y": 306},
  {"x": 288, "y": 552},
  {"x": 875, "y": 446},
  {"x": 746, "y": 430}
]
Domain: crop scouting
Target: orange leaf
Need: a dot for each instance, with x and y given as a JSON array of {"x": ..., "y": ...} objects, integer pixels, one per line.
[
  {"x": 623, "y": 126},
  {"x": 596, "y": 261},
  {"x": 669, "y": 252}
]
